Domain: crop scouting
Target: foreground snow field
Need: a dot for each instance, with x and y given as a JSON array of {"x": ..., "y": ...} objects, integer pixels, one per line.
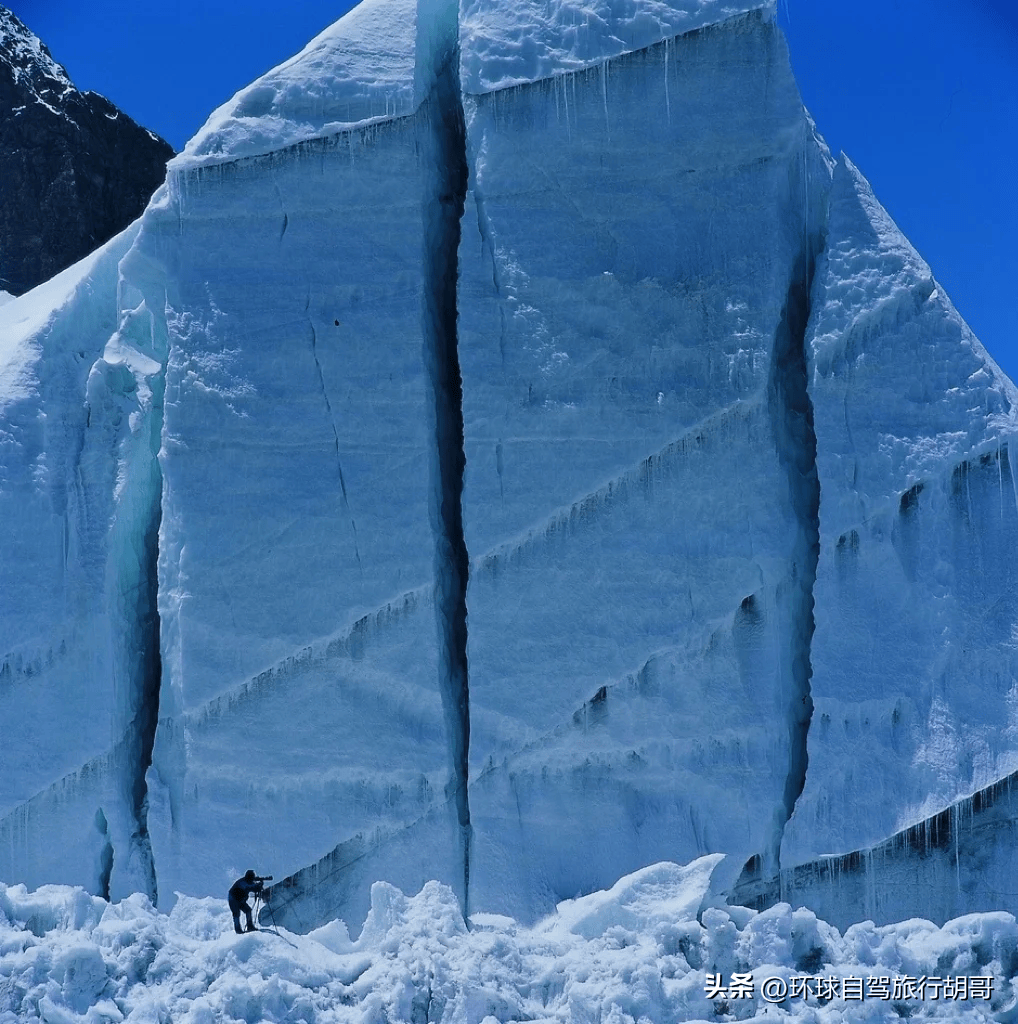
[{"x": 643, "y": 951}]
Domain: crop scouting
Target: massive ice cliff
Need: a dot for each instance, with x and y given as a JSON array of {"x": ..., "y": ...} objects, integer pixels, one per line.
[{"x": 510, "y": 450}]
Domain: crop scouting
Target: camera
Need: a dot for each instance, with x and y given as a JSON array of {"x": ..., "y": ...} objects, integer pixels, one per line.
[{"x": 263, "y": 878}]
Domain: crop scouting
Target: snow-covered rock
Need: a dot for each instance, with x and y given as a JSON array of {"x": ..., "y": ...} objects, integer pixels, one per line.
[{"x": 75, "y": 169}]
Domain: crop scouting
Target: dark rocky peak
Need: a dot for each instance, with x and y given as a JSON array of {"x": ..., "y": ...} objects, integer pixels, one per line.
[
  {"x": 74, "y": 169},
  {"x": 27, "y": 60}
]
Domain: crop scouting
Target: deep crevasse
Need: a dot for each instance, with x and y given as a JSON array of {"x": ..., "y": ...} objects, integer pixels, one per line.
[{"x": 443, "y": 149}]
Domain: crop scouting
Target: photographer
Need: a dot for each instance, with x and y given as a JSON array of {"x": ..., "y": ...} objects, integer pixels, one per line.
[{"x": 239, "y": 892}]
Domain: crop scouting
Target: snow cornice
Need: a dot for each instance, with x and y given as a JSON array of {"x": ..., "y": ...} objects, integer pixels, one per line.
[{"x": 361, "y": 71}]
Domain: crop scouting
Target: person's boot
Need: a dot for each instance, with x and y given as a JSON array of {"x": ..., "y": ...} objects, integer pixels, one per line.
[
  {"x": 239, "y": 930},
  {"x": 251, "y": 928}
]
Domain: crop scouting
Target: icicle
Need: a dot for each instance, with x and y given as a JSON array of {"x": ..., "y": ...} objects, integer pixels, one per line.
[
  {"x": 1000, "y": 481},
  {"x": 604, "y": 96},
  {"x": 1012, "y": 461},
  {"x": 805, "y": 190},
  {"x": 569, "y": 134},
  {"x": 867, "y": 882},
  {"x": 668, "y": 101}
]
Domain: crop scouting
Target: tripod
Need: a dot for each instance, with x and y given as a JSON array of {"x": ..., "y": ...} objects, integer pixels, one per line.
[{"x": 259, "y": 897}]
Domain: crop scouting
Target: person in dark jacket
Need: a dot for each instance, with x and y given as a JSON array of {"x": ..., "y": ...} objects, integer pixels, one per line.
[{"x": 239, "y": 892}]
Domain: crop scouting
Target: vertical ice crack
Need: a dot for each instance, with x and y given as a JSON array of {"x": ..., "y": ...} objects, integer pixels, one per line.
[
  {"x": 125, "y": 381},
  {"x": 444, "y": 164},
  {"x": 791, "y": 413},
  {"x": 133, "y": 581},
  {"x": 335, "y": 436},
  {"x": 147, "y": 681}
]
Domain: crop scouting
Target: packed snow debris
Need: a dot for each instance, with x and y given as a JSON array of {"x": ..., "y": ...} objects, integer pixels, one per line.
[{"x": 635, "y": 954}]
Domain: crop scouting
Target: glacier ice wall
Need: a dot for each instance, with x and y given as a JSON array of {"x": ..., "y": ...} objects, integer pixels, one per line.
[
  {"x": 80, "y": 399},
  {"x": 634, "y": 293},
  {"x": 296, "y": 558},
  {"x": 511, "y": 485},
  {"x": 914, "y": 660}
]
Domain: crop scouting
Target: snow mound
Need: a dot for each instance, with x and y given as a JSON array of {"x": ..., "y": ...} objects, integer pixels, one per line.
[
  {"x": 644, "y": 957},
  {"x": 509, "y": 44},
  {"x": 359, "y": 70},
  {"x": 661, "y": 892}
]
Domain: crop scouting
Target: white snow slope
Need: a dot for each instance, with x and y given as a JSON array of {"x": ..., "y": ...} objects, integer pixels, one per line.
[
  {"x": 640, "y": 952},
  {"x": 510, "y": 465}
]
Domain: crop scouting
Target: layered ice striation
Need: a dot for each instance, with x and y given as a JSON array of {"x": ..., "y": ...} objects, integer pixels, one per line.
[
  {"x": 634, "y": 298},
  {"x": 508, "y": 451}
]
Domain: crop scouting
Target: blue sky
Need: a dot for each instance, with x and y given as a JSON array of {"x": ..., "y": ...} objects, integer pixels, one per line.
[{"x": 921, "y": 94}]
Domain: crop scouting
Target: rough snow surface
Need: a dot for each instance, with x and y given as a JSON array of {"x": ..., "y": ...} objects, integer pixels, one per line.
[
  {"x": 361, "y": 69},
  {"x": 640, "y": 952},
  {"x": 933, "y": 394},
  {"x": 358, "y": 70},
  {"x": 23, "y": 320},
  {"x": 509, "y": 44}
]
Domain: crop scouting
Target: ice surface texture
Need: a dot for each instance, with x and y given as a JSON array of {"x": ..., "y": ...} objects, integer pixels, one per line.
[
  {"x": 640, "y": 951},
  {"x": 531, "y": 40},
  {"x": 79, "y": 490},
  {"x": 618, "y": 351},
  {"x": 914, "y": 664},
  {"x": 618, "y": 357}
]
